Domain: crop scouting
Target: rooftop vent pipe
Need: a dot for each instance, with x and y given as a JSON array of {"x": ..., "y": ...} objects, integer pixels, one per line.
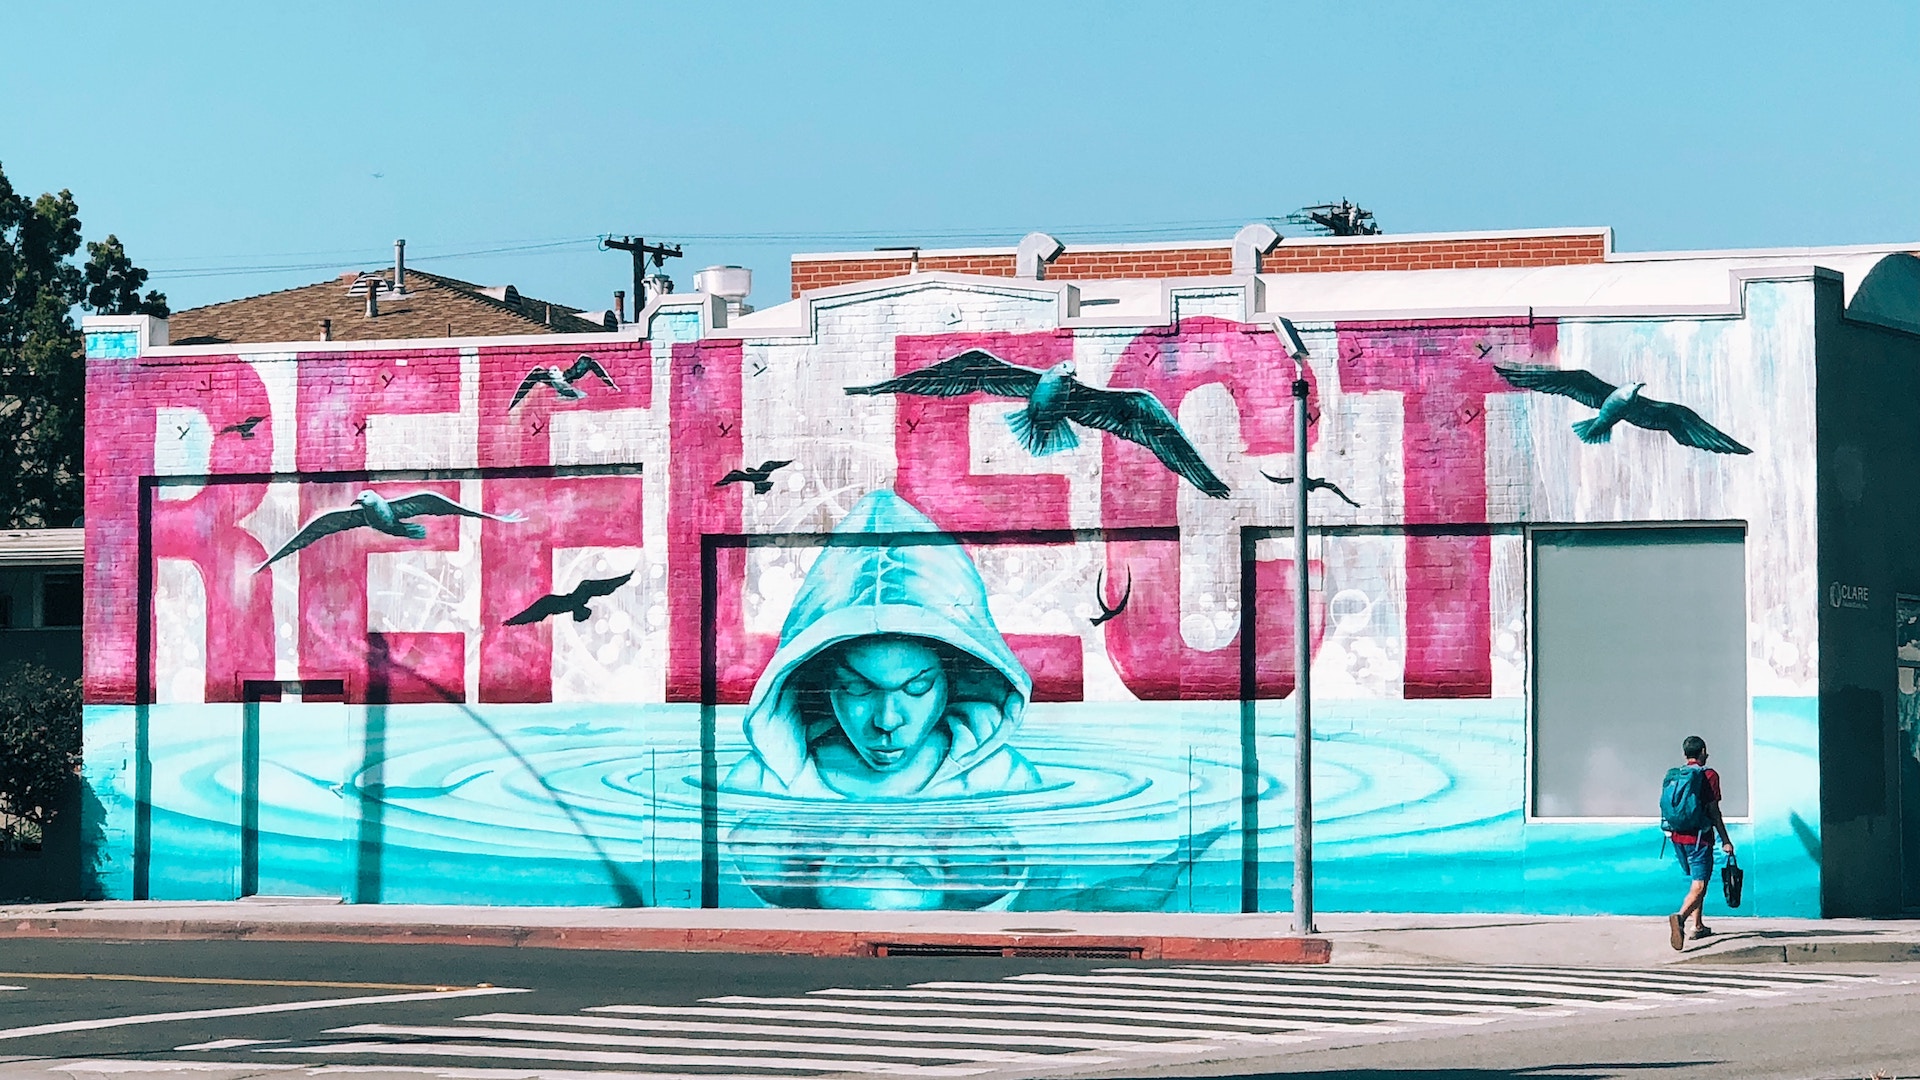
[
  {"x": 1036, "y": 250},
  {"x": 620, "y": 305},
  {"x": 399, "y": 266},
  {"x": 1251, "y": 242},
  {"x": 374, "y": 285}
]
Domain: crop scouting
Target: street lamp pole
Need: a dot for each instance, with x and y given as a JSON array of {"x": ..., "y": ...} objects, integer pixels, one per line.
[{"x": 1302, "y": 645}]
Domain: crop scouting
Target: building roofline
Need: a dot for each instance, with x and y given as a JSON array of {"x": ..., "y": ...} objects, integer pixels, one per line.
[{"x": 908, "y": 252}]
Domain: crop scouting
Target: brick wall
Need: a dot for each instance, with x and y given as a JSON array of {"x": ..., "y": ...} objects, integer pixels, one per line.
[{"x": 1293, "y": 256}]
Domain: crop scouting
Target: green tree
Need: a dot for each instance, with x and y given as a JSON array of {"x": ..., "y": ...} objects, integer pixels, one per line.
[
  {"x": 42, "y": 373},
  {"x": 39, "y": 741}
]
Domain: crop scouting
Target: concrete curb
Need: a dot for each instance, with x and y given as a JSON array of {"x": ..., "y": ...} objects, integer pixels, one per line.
[
  {"x": 1267, "y": 950},
  {"x": 1815, "y": 952}
]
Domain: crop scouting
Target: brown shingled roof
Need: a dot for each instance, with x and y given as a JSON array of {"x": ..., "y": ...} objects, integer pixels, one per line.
[{"x": 432, "y": 307}]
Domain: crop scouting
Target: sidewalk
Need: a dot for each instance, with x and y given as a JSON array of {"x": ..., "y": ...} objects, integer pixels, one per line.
[{"x": 1589, "y": 941}]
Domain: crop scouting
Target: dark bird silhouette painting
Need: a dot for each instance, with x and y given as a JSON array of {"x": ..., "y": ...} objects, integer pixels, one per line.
[
  {"x": 1100, "y": 597},
  {"x": 574, "y": 602},
  {"x": 370, "y": 511},
  {"x": 1617, "y": 404},
  {"x": 1055, "y": 398},
  {"x": 562, "y": 380},
  {"x": 761, "y": 478},
  {"x": 1315, "y": 483},
  {"x": 244, "y": 427}
]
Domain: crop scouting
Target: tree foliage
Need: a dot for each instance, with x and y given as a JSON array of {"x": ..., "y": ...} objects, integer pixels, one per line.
[
  {"x": 39, "y": 741},
  {"x": 42, "y": 373}
]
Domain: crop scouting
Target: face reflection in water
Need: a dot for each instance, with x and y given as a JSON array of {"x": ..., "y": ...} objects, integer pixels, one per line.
[{"x": 888, "y": 694}]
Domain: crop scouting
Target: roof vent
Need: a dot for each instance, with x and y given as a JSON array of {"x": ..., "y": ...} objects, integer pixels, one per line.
[
  {"x": 506, "y": 294},
  {"x": 729, "y": 283},
  {"x": 1036, "y": 250},
  {"x": 1251, "y": 242}
]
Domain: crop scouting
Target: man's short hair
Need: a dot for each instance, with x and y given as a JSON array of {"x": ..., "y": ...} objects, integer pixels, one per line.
[{"x": 1693, "y": 746}]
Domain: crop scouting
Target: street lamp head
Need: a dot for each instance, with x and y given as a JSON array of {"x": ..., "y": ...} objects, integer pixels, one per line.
[{"x": 1289, "y": 338}]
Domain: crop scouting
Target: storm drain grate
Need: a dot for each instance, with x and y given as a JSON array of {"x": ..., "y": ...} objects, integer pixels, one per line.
[{"x": 1043, "y": 952}]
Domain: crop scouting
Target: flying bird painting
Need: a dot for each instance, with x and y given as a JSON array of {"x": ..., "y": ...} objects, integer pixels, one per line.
[
  {"x": 370, "y": 511},
  {"x": 1315, "y": 483},
  {"x": 574, "y": 602},
  {"x": 761, "y": 478},
  {"x": 562, "y": 380},
  {"x": 244, "y": 428},
  {"x": 1055, "y": 398},
  {"x": 1621, "y": 403},
  {"x": 1100, "y": 598}
]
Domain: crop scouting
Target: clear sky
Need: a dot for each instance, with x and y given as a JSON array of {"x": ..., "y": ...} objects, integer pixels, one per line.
[{"x": 252, "y": 146}]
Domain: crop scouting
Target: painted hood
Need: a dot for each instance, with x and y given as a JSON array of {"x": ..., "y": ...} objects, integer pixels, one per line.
[{"x": 889, "y": 570}]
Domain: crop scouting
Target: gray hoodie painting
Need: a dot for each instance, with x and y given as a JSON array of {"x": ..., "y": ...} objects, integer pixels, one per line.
[{"x": 889, "y": 573}]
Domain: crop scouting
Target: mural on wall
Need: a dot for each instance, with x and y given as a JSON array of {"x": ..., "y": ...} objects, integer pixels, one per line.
[
  {"x": 562, "y": 380},
  {"x": 926, "y": 654},
  {"x": 370, "y": 511},
  {"x": 1618, "y": 404},
  {"x": 1054, "y": 398}
]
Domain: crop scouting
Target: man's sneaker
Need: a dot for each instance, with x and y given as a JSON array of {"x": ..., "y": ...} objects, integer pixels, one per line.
[
  {"x": 1676, "y": 934},
  {"x": 1701, "y": 932}
]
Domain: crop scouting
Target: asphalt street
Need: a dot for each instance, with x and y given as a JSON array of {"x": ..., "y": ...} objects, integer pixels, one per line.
[{"x": 221, "y": 1010}]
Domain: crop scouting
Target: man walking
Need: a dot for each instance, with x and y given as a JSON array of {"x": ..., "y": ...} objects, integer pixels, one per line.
[{"x": 1690, "y": 813}]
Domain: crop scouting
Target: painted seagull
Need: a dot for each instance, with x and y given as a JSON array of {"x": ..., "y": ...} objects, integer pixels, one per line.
[
  {"x": 562, "y": 380},
  {"x": 761, "y": 478},
  {"x": 1315, "y": 483},
  {"x": 1054, "y": 397},
  {"x": 1621, "y": 403},
  {"x": 575, "y": 602},
  {"x": 370, "y": 511},
  {"x": 244, "y": 427}
]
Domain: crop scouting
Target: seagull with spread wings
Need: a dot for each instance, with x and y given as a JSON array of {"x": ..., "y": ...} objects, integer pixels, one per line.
[
  {"x": 574, "y": 602},
  {"x": 1621, "y": 403},
  {"x": 370, "y": 511},
  {"x": 1054, "y": 398},
  {"x": 562, "y": 380}
]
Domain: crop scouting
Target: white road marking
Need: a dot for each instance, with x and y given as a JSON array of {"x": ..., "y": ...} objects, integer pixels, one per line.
[
  {"x": 386, "y": 1069},
  {"x": 245, "y": 1010},
  {"x": 1065, "y": 996},
  {"x": 993, "y": 1022},
  {"x": 1354, "y": 996},
  {"x": 1262, "y": 1004},
  {"x": 667, "y": 1042},
  {"x": 614, "y": 1057},
  {"x": 227, "y": 1044},
  {"x": 12, "y": 988},
  {"x": 1201, "y": 1020},
  {"x": 817, "y": 1032},
  {"x": 1599, "y": 997}
]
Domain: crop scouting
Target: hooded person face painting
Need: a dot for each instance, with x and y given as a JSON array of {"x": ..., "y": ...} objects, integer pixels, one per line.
[{"x": 891, "y": 680}]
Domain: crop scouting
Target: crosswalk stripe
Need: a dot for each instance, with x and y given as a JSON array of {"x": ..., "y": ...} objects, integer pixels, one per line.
[
  {"x": 994, "y": 1022},
  {"x": 1067, "y": 996},
  {"x": 1802, "y": 978},
  {"x": 1414, "y": 1001},
  {"x": 1715, "y": 981},
  {"x": 620, "y": 1057},
  {"x": 666, "y": 1042},
  {"x": 817, "y": 1032},
  {"x": 1195, "y": 1019},
  {"x": 1578, "y": 994}
]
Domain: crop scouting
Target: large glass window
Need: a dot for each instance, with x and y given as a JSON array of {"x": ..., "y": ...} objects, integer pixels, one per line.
[{"x": 1639, "y": 641}]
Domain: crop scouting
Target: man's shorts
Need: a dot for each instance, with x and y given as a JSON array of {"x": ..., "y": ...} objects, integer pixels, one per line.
[{"x": 1696, "y": 860}]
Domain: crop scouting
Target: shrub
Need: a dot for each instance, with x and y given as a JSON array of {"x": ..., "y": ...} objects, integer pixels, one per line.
[{"x": 39, "y": 741}]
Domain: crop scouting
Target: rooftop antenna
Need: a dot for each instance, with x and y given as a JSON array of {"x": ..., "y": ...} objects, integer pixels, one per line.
[
  {"x": 641, "y": 251},
  {"x": 1335, "y": 219}
]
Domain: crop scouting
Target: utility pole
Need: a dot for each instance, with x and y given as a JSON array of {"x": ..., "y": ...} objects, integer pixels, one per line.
[
  {"x": 641, "y": 251},
  {"x": 1302, "y": 644}
]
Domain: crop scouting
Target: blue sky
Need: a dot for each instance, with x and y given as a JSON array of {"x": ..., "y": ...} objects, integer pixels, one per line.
[{"x": 246, "y": 147}]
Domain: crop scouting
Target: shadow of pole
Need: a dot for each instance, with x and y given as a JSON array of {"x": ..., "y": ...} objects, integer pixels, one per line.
[{"x": 381, "y": 666}]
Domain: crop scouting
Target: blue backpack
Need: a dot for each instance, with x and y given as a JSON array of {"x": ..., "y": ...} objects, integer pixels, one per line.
[{"x": 1683, "y": 801}]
